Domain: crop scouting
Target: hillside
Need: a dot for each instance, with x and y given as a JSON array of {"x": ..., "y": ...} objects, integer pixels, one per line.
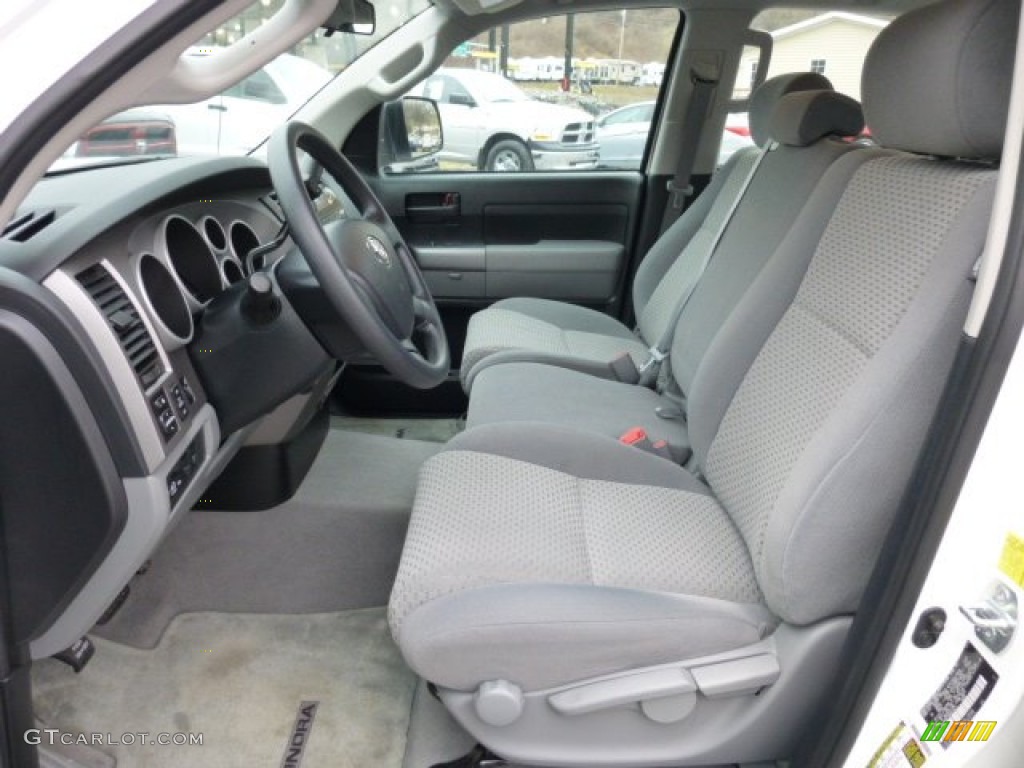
[{"x": 645, "y": 34}]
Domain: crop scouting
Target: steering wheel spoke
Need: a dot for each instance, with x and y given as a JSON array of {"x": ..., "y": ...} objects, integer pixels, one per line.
[{"x": 363, "y": 265}]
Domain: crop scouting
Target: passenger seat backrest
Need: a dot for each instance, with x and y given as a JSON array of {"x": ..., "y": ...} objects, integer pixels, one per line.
[
  {"x": 662, "y": 275},
  {"x": 806, "y": 125},
  {"x": 809, "y": 438}
]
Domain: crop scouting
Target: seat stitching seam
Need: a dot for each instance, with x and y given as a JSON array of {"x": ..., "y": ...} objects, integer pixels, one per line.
[{"x": 827, "y": 322}]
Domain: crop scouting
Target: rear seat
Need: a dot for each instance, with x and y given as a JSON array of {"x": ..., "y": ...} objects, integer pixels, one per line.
[
  {"x": 802, "y": 126},
  {"x": 540, "y": 330}
]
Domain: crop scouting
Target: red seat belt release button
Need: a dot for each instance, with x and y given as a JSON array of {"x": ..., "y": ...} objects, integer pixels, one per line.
[{"x": 633, "y": 436}]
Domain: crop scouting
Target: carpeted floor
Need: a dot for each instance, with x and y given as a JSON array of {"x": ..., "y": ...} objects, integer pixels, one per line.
[
  {"x": 335, "y": 546},
  {"x": 239, "y": 680},
  {"x": 429, "y": 430}
]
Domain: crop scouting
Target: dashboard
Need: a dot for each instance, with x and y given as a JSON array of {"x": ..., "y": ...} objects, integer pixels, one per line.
[{"x": 142, "y": 273}]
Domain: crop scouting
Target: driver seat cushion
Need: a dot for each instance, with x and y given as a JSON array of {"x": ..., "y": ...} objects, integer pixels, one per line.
[
  {"x": 549, "y": 330},
  {"x": 599, "y": 547}
]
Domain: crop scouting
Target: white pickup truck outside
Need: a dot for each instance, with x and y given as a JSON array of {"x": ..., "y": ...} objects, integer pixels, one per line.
[{"x": 492, "y": 125}]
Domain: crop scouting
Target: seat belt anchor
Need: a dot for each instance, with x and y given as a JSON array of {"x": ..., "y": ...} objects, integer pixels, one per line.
[{"x": 679, "y": 194}]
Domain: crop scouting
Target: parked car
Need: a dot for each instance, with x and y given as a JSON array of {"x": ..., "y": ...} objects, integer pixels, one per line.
[
  {"x": 492, "y": 124},
  {"x": 233, "y": 122},
  {"x": 622, "y": 134},
  {"x": 141, "y": 131}
]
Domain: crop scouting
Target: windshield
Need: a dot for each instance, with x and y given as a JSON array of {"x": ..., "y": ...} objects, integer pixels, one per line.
[{"x": 240, "y": 118}]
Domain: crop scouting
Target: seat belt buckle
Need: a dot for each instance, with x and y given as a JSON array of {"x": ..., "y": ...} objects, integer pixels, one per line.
[
  {"x": 624, "y": 369},
  {"x": 670, "y": 413},
  {"x": 638, "y": 438}
]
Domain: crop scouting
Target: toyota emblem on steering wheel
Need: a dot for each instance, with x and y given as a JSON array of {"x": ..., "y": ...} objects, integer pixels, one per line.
[{"x": 378, "y": 250}]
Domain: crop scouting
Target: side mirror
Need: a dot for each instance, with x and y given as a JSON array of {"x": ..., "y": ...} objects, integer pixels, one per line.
[{"x": 410, "y": 135}]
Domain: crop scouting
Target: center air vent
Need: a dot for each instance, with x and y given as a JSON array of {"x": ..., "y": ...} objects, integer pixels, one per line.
[{"x": 123, "y": 317}]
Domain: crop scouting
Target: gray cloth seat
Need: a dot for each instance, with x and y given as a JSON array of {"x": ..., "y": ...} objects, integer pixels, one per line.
[
  {"x": 526, "y": 328},
  {"x": 675, "y": 580},
  {"x": 804, "y": 125},
  {"x": 576, "y": 601},
  {"x": 541, "y": 330},
  {"x": 550, "y": 394}
]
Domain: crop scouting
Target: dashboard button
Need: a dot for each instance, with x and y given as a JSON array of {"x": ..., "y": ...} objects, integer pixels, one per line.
[
  {"x": 187, "y": 389},
  {"x": 180, "y": 401}
]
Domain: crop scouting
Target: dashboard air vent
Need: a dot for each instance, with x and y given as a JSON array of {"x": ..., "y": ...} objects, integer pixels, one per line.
[
  {"x": 29, "y": 224},
  {"x": 124, "y": 319}
]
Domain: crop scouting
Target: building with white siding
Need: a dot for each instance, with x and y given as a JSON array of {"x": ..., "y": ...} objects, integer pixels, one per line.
[{"x": 833, "y": 43}]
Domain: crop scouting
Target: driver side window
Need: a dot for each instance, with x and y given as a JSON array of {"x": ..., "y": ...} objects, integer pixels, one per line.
[{"x": 538, "y": 91}]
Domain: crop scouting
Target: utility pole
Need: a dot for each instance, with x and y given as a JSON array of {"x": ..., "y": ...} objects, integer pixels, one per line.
[
  {"x": 492, "y": 46},
  {"x": 622, "y": 33},
  {"x": 570, "y": 26},
  {"x": 503, "y": 54}
]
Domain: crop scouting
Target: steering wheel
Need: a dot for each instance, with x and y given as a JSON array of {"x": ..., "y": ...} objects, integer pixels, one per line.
[{"x": 363, "y": 265}]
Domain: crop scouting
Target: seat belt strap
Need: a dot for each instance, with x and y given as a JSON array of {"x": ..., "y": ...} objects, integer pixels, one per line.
[
  {"x": 659, "y": 351},
  {"x": 679, "y": 186}
]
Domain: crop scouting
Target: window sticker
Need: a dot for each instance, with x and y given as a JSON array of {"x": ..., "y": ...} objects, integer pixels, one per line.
[
  {"x": 1011, "y": 563},
  {"x": 899, "y": 750},
  {"x": 965, "y": 690}
]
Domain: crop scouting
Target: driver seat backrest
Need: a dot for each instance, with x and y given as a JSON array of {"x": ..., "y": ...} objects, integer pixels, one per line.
[{"x": 810, "y": 408}]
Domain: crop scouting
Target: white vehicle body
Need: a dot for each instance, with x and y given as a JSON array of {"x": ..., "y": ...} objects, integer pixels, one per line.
[
  {"x": 240, "y": 118},
  {"x": 480, "y": 111}
]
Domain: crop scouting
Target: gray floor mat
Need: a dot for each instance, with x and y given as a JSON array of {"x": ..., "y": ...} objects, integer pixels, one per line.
[
  {"x": 430, "y": 430},
  {"x": 239, "y": 680},
  {"x": 335, "y": 546}
]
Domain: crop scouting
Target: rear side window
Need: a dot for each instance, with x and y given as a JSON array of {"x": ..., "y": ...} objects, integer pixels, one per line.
[
  {"x": 573, "y": 92},
  {"x": 831, "y": 43}
]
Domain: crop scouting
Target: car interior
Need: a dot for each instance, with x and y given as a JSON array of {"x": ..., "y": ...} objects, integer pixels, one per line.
[{"x": 341, "y": 466}]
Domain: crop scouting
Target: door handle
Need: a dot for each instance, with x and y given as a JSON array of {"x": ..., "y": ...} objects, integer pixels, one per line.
[
  {"x": 444, "y": 206},
  {"x": 217, "y": 107}
]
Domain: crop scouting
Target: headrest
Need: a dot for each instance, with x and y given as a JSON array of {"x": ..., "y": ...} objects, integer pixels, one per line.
[
  {"x": 803, "y": 117},
  {"x": 937, "y": 80},
  {"x": 766, "y": 96}
]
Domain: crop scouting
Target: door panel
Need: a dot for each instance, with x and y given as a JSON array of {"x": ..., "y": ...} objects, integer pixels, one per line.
[
  {"x": 580, "y": 270},
  {"x": 481, "y": 237}
]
